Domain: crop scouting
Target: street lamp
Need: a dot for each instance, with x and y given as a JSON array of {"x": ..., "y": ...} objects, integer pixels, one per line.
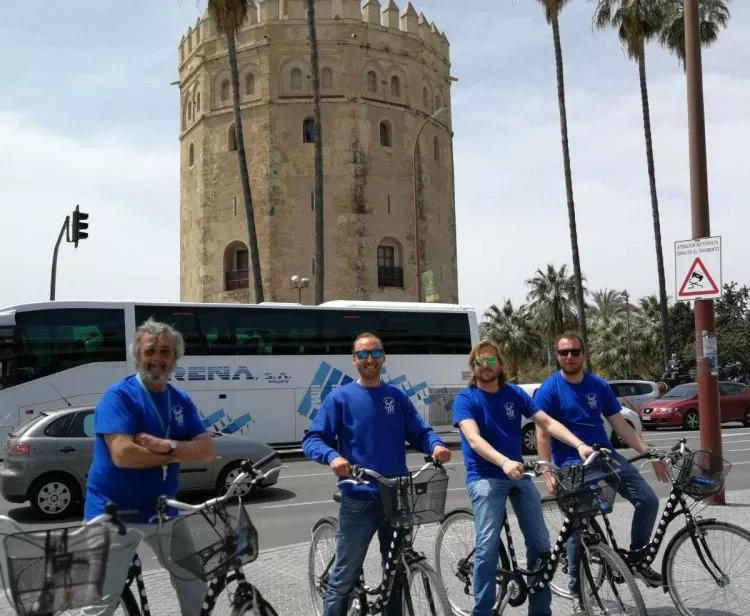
[
  {"x": 414, "y": 189},
  {"x": 299, "y": 284}
]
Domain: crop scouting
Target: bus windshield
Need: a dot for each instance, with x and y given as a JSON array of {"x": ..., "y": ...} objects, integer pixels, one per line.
[{"x": 7, "y": 356}]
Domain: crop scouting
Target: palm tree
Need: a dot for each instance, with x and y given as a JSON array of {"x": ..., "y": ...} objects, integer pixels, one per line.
[
  {"x": 552, "y": 10},
  {"x": 229, "y": 15},
  {"x": 514, "y": 331},
  {"x": 712, "y": 15},
  {"x": 551, "y": 300},
  {"x": 608, "y": 305},
  {"x": 319, "y": 221},
  {"x": 637, "y": 22}
]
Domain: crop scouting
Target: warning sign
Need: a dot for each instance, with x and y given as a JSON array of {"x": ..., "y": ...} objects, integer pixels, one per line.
[{"x": 698, "y": 269}]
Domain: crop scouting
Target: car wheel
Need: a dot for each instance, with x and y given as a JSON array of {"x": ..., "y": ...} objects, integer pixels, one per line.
[
  {"x": 228, "y": 474},
  {"x": 617, "y": 439},
  {"x": 528, "y": 439},
  {"x": 54, "y": 496},
  {"x": 690, "y": 420},
  {"x": 746, "y": 419}
]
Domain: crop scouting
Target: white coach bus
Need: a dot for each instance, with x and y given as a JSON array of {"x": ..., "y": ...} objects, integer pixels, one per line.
[{"x": 257, "y": 370}]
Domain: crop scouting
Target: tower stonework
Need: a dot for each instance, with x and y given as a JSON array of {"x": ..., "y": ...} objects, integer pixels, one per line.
[{"x": 383, "y": 71}]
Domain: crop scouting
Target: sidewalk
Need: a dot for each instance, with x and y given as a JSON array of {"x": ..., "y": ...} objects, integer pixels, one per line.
[{"x": 281, "y": 573}]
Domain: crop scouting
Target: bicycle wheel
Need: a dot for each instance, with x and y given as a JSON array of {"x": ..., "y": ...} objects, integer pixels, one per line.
[
  {"x": 454, "y": 560},
  {"x": 254, "y": 605},
  {"x": 607, "y": 585},
  {"x": 693, "y": 587},
  {"x": 320, "y": 560},
  {"x": 128, "y": 605},
  {"x": 553, "y": 520},
  {"x": 426, "y": 594}
]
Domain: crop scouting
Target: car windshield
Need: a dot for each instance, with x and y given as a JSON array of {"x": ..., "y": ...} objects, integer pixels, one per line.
[{"x": 681, "y": 392}]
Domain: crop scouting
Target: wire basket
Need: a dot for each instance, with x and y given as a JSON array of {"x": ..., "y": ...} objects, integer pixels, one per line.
[
  {"x": 584, "y": 493},
  {"x": 214, "y": 541},
  {"x": 59, "y": 569},
  {"x": 411, "y": 502},
  {"x": 701, "y": 473}
]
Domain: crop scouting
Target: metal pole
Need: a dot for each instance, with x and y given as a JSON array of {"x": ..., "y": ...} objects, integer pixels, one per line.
[
  {"x": 708, "y": 386},
  {"x": 53, "y": 277},
  {"x": 414, "y": 198}
]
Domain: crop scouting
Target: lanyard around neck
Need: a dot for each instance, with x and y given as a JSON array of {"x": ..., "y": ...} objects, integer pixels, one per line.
[{"x": 165, "y": 428}]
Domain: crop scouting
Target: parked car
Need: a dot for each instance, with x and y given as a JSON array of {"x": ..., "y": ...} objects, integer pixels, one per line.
[
  {"x": 528, "y": 427},
  {"x": 634, "y": 393},
  {"x": 47, "y": 461},
  {"x": 678, "y": 407}
]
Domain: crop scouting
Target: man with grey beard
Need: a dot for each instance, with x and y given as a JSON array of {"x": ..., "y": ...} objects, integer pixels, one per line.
[{"x": 145, "y": 428}]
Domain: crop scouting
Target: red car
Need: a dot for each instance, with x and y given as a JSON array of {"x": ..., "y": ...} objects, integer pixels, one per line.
[{"x": 679, "y": 407}]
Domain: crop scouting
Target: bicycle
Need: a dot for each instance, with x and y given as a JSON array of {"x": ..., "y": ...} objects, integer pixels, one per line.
[
  {"x": 216, "y": 539},
  {"x": 695, "y": 474},
  {"x": 409, "y": 501},
  {"x": 53, "y": 570},
  {"x": 579, "y": 497}
]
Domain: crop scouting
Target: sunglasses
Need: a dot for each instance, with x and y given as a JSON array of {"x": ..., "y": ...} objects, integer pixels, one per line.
[
  {"x": 566, "y": 352},
  {"x": 362, "y": 355},
  {"x": 481, "y": 361}
]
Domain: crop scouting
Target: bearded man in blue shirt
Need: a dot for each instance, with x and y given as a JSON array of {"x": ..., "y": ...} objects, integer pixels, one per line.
[
  {"x": 145, "y": 428},
  {"x": 579, "y": 400},
  {"x": 488, "y": 414},
  {"x": 369, "y": 421}
]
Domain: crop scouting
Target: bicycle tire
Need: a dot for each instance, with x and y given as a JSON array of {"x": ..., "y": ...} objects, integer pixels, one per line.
[
  {"x": 446, "y": 571},
  {"x": 435, "y": 595},
  {"x": 732, "y": 601},
  {"x": 128, "y": 603},
  {"x": 323, "y": 527},
  {"x": 622, "y": 577},
  {"x": 254, "y": 606}
]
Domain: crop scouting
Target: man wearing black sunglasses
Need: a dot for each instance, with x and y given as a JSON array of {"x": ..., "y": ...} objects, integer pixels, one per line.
[
  {"x": 579, "y": 400},
  {"x": 365, "y": 422}
]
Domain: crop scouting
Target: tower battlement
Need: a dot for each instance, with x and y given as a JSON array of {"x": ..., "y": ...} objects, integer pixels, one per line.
[{"x": 372, "y": 13}]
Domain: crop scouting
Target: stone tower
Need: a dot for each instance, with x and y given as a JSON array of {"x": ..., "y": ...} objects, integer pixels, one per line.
[{"x": 384, "y": 72}]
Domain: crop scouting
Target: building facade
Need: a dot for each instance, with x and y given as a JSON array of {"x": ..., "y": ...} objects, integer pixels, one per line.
[{"x": 384, "y": 72}]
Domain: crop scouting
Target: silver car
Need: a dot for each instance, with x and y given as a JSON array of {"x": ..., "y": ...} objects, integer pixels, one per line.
[
  {"x": 634, "y": 393},
  {"x": 47, "y": 460}
]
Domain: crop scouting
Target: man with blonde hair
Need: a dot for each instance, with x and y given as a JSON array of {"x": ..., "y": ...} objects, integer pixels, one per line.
[{"x": 488, "y": 414}]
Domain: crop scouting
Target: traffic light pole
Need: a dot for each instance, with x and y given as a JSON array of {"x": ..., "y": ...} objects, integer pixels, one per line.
[
  {"x": 705, "y": 327},
  {"x": 53, "y": 277}
]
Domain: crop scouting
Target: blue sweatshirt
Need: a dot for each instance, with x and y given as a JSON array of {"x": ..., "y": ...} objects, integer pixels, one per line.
[{"x": 369, "y": 426}]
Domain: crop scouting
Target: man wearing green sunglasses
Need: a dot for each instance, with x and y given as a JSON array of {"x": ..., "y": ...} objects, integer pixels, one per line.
[
  {"x": 488, "y": 414},
  {"x": 365, "y": 422}
]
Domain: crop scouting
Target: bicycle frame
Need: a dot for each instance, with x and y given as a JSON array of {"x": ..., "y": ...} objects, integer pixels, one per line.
[{"x": 244, "y": 589}]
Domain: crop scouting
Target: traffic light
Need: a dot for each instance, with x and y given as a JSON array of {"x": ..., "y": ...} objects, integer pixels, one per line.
[{"x": 79, "y": 226}]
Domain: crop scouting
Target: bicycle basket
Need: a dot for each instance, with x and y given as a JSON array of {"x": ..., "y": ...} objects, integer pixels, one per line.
[
  {"x": 701, "y": 473},
  {"x": 53, "y": 570},
  {"x": 213, "y": 541},
  {"x": 411, "y": 502},
  {"x": 583, "y": 492}
]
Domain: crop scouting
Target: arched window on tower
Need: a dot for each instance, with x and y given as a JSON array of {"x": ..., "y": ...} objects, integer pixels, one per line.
[
  {"x": 197, "y": 101},
  {"x": 395, "y": 87},
  {"x": 372, "y": 82},
  {"x": 386, "y": 134},
  {"x": 390, "y": 270},
  {"x": 231, "y": 138},
  {"x": 425, "y": 98},
  {"x": 296, "y": 79},
  {"x": 225, "y": 91},
  {"x": 236, "y": 267},
  {"x": 191, "y": 155},
  {"x": 326, "y": 78},
  {"x": 436, "y": 148},
  {"x": 308, "y": 131},
  {"x": 249, "y": 84}
]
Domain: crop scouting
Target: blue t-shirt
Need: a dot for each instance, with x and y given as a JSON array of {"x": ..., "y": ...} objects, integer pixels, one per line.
[
  {"x": 125, "y": 409},
  {"x": 498, "y": 416},
  {"x": 371, "y": 425},
  {"x": 579, "y": 407}
]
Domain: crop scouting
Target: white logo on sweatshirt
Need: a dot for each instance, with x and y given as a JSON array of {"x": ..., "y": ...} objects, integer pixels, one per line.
[
  {"x": 510, "y": 410},
  {"x": 390, "y": 405},
  {"x": 592, "y": 400}
]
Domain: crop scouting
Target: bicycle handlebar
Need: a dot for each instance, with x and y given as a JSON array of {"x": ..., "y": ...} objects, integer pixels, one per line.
[
  {"x": 358, "y": 473},
  {"x": 249, "y": 470},
  {"x": 654, "y": 454}
]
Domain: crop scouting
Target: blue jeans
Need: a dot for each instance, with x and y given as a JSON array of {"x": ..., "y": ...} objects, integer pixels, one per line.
[
  {"x": 488, "y": 500},
  {"x": 358, "y": 522},
  {"x": 633, "y": 488}
]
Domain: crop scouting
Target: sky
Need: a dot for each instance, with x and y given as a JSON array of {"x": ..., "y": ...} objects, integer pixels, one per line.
[{"x": 88, "y": 116}]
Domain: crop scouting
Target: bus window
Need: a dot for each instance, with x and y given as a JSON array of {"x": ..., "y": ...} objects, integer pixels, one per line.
[
  {"x": 49, "y": 341},
  {"x": 7, "y": 357},
  {"x": 182, "y": 318}
]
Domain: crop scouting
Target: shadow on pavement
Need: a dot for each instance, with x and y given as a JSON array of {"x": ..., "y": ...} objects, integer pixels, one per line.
[{"x": 671, "y": 611}]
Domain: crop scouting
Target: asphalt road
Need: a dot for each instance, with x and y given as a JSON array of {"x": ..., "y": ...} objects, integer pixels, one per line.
[{"x": 284, "y": 513}]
